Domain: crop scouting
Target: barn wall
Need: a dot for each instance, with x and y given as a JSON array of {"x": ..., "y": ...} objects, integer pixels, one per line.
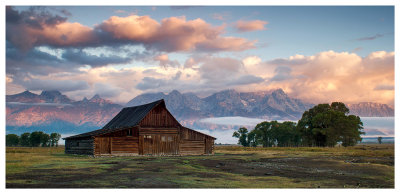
[
  {"x": 195, "y": 143},
  {"x": 118, "y": 143},
  {"x": 209, "y": 145},
  {"x": 158, "y": 141},
  {"x": 159, "y": 144},
  {"x": 159, "y": 117},
  {"x": 79, "y": 146},
  {"x": 191, "y": 147}
]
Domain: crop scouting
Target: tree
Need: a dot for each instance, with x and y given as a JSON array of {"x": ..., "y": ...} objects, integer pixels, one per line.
[
  {"x": 12, "y": 140},
  {"x": 263, "y": 133},
  {"x": 251, "y": 139},
  {"x": 380, "y": 140},
  {"x": 24, "y": 140},
  {"x": 35, "y": 138},
  {"x": 54, "y": 138},
  {"x": 242, "y": 135},
  {"x": 326, "y": 125},
  {"x": 285, "y": 134},
  {"x": 45, "y": 139}
]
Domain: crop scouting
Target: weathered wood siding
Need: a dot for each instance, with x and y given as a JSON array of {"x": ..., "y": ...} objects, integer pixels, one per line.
[
  {"x": 159, "y": 117},
  {"x": 118, "y": 143},
  {"x": 192, "y": 147},
  {"x": 209, "y": 145},
  {"x": 195, "y": 143},
  {"x": 79, "y": 146},
  {"x": 159, "y": 144}
]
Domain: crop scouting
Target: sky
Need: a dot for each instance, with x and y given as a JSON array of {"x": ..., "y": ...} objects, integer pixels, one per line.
[{"x": 317, "y": 54}]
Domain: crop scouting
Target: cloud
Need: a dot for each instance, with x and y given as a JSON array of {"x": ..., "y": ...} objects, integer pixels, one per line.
[
  {"x": 151, "y": 83},
  {"x": 251, "y": 61},
  {"x": 282, "y": 73},
  {"x": 332, "y": 76},
  {"x": 106, "y": 90},
  {"x": 165, "y": 62},
  {"x": 27, "y": 29},
  {"x": 245, "y": 80},
  {"x": 370, "y": 37},
  {"x": 247, "y": 26},
  {"x": 292, "y": 60},
  {"x": 384, "y": 87},
  {"x": 84, "y": 58},
  {"x": 60, "y": 85},
  {"x": 37, "y": 26}
]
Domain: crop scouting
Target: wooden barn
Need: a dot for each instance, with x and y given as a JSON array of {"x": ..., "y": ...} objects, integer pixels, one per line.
[{"x": 148, "y": 129}]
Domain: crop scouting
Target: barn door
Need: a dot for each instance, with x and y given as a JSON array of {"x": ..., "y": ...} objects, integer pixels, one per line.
[
  {"x": 148, "y": 145},
  {"x": 160, "y": 144},
  {"x": 104, "y": 145}
]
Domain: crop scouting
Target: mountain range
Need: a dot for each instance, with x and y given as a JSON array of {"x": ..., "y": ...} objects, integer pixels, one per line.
[{"x": 53, "y": 111}]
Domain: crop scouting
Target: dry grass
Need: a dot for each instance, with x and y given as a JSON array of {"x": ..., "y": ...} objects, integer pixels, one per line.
[{"x": 370, "y": 166}]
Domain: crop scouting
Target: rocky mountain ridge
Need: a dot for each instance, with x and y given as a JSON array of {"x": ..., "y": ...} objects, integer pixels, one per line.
[{"x": 53, "y": 110}]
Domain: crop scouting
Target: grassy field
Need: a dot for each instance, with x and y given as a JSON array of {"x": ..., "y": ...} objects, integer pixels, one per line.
[{"x": 362, "y": 166}]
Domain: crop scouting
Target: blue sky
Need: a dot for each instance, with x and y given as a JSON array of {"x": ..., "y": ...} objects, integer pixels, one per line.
[{"x": 352, "y": 35}]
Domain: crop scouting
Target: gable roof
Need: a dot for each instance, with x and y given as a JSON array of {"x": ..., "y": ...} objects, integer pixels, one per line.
[{"x": 127, "y": 117}]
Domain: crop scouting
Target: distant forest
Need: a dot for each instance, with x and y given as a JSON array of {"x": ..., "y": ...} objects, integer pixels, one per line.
[
  {"x": 34, "y": 139},
  {"x": 323, "y": 125}
]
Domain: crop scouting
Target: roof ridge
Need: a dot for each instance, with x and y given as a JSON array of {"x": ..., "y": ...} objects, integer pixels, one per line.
[{"x": 158, "y": 101}]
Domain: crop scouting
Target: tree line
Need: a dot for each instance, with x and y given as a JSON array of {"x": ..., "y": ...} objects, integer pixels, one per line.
[
  {"x": 34, "y": 139},
  {"x": 323, "y": 125}
]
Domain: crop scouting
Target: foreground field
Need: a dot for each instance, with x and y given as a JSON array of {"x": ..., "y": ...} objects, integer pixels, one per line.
[{"x": 364, "y": 166}]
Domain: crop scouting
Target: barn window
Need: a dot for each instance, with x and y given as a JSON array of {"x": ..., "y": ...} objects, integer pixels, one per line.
[
  {"x": 129, "y": 132},
  {"x": 169, "y": 138},
  {"x": 163, "y": 138}
]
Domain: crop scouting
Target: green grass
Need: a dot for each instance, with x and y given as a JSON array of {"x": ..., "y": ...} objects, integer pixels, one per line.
[{"x": 366, "y": 166}]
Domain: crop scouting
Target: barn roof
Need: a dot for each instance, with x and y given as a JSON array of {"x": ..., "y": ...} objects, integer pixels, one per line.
[{"x": 127, "y": 117}]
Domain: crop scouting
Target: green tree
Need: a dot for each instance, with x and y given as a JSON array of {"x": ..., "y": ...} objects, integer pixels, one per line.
[
  {"x": 326, "y": 125},
  {"x": 285, "y": 134},
  {"x": 263, "y": 133},
  {"x": 24, "y": 140},
  {"x": 12, "y": 140},
  {"x": 242, "y": 134},
  {"x": 251, "y": 139},
  {"x": 380, "y": 140},
  {"x": 54, "y": 138},
  {"x": 35, "y": 138},
  {"x": 45, "y": 140}
]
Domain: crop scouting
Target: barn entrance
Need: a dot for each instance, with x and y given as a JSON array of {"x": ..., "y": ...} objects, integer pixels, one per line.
[
  {"x": 160, "y": 144},
  {"x": 104, "y": 145}
]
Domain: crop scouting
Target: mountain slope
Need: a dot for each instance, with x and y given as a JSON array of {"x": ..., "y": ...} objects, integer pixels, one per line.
[
  {"x": 273, "y": 104},
  {"x": 52, "y": 109},
  {"x": 370, "y": 109}
]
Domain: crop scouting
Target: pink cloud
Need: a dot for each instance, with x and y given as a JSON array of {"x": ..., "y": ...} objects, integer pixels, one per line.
[
  {"x": 171, "y": 34},
  {"x": 332, "y": 76},
  {"x": 247, "y": 26}
]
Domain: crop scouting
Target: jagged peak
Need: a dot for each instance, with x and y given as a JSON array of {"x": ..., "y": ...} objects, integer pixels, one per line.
[
  {"x": 24, "y": 93},
  {"x": 279, "y": 93},
  {"x": 174, "y": 92},
  {"x": 96, "y": 96}
]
